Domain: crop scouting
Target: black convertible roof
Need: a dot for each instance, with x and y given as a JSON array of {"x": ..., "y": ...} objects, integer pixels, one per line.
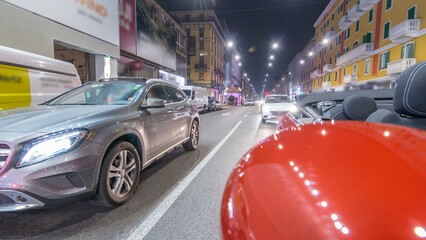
[{"x": 379, "y": 94}]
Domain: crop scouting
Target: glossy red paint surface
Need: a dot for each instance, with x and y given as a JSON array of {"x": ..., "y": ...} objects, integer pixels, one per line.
[{"x": 342, "y": 180}]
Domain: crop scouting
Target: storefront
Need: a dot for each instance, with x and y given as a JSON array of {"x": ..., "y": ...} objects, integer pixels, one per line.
[{"x": 86, "y": 35}]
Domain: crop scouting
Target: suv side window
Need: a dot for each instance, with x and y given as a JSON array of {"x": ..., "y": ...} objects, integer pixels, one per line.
[
  {"x": 174, "y": 94},
  {"x": 157, "y": 91}
]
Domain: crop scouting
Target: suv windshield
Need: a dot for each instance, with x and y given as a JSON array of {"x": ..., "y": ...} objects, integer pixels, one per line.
[
  {"x": 277, "y": 99},
  {"x": 187, "y": 92},
  {"x": 100, "y": 93}
]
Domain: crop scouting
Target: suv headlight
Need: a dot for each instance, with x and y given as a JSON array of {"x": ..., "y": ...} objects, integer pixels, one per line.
[{"x": 51, "y": 145}]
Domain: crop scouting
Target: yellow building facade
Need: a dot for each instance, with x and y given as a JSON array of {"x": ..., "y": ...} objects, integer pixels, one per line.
[
  {"x": 367, "y": 42},
  {"x": 206, "y": 48}
]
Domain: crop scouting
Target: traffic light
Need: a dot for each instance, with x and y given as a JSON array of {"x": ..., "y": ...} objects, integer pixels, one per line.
[{"x": 266, "y": 93}]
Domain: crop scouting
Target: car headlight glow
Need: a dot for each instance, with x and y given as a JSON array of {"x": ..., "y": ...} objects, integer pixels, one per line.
[
  {"x": 293, "y": 109},
  {"x": 51, "y": 145}
]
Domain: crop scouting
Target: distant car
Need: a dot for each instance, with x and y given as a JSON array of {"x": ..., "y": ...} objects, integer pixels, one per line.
[
  {"x": 198, "y": 96},
  {"x": 212, "y": 104},
  {"x": 91, "y": 142},
  {"x": 218, "y": 105},
  {"x": 249, "y": 102},
  {"x": 276, "y": 106}
]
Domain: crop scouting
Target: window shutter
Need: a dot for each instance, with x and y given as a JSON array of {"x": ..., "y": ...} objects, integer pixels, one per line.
[
  {"x": 387, "y": 59},
  {"x": 381, "y": 62},
  {"x": 403, "y": 52},
  {"x": 410, "y": 50}
]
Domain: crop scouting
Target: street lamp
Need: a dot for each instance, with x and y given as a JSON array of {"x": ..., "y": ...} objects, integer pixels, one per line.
[
  {"x": 311, "y": 54},
  {"x": 266, "y": 80},
  {"x": 267, "y": 74},
  {"x": 275, "y": 46},
  {"x": 325, "y": 41},
  {"x": 245, "y": 74},
  {"x": 272, "y": 57},
  {"x": 270, "y": 64},
  {"x": 239, "y": 64},
  {"x": 230, "y": 44},
  {"x": 302, "y": 61},
  {"x": 237, "y": 57}
]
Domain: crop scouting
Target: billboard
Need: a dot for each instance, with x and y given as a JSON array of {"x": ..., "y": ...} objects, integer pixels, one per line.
[
  {"x": 127, "y": 11},
  {"x": 97, "y": 18},
  {"x": 156, "y": 36}
]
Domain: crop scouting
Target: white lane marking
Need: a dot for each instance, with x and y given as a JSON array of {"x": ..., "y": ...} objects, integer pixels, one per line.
[
  {"x": 226, "y": 114},
  {"x": 146, "y": 225},
  {"x": 245, "y": 115}
]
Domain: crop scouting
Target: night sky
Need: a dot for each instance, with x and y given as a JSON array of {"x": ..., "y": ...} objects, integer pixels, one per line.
[{"x": 260, "y": 23}]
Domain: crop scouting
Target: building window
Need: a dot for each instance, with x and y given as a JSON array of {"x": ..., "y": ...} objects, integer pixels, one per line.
[
  {"x": 320, "y": 53},
  {"x": 335, "y": 76},
  {"x": 331, "y": 45},
  {"x": 371, "y": 15},
  {"x": 201, "y": 17},
  {"x": 201, "y": 32},
  {"x": 323, "y": 79},
  {"x": 338, "y": 40},
  {"x": 367, "y": 66},
  {"x": 388, "y": 4},
  {"x": 356, "y": 44},
  {"x": 340, "y": 8},
  {"x": 330, "y": 61},
  {"x": 348, "y": 1},
  {"x": 367, "y": 38},
  {"x": 347, "y": 33},
  {"x": 384, "y": 60},
  {"x": 355, "y": 69},
  {"x": 386, "y": 30},
  {"x": 411, "y": 14},
  {"x": 346, "y": 49},
  {"x": 357, "y": 26},
  {"x": 188, "y": 60},
  {"x": 325, "y": 50},
  {"x": 337, "y": 56},
  {"x": 332, "y": 17},
  {"x": 407, "y": 51},
  {"x": 329, "y": 77},
  {"x": 344, "y": 71},
  {"x": 326, "y": 23},
  {"x": 321, "y": 29},
  {"x": 201, "y": 76},
  {"x": 187, "y": 17},
  {"x": 201, "y": 61}
]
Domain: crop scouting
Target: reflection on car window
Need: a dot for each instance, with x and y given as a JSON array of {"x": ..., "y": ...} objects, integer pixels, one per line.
[
  {"x": 108, "y": 93},
  {"x": 157, "y": 91},
  {"x": 277, "y": 99},
  {"x": 175, "y": 96}
]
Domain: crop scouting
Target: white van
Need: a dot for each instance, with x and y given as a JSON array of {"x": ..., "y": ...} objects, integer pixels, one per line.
[
  {"x": 28, "y": 79},
  {"x": 198, "y": 96}
]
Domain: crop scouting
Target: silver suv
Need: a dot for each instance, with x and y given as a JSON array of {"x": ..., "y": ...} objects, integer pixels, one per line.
[{"x": 91, "y": 142}]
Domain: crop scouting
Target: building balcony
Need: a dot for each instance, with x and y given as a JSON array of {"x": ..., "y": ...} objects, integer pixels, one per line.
[
  {"x": 317, "y": 73},
  {"x": 405, "y": 31},
  {"x": 326, "y": 84},
  {"x": 350, "y": 79},
  {"x": 312, "y": 75},
  {"x": 327, "y": 68},
  {"x": 398, "y": 67},
  {"x": 354, "y": 13},
  {"x": 365, "y": 5},
  {"x": 344, "y": 23},
  {"x": 329, "y": 35},
  {"x": 318, "y": 46},
  {"x": 359, "y": 53}
]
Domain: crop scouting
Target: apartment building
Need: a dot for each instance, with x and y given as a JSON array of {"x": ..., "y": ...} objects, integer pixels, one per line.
[
  {"x": 206, "y": 48},
  {"x": 367, "y": 42}
]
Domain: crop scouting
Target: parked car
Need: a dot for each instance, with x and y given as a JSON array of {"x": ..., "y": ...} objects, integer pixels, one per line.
[
  {"x": 276, "y": 106},
  {"x": 218, "y": 105},
  {"x": 212, "y": 104},
  {"x": 350, "y": 168},
  {"x": 198, "y": 96},
  {"x": 29, "y": 79},
  {"x": 249, "y": 102},
  {"x": 91, "y": 142}
]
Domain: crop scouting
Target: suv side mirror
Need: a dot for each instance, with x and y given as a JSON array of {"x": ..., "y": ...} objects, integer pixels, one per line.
[
  {"x": 193, "y": 96},
  {"x": 154, "y": 103}
]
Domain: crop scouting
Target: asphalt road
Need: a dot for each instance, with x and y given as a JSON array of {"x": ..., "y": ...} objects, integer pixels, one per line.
[{"x": 178, "y": 197}]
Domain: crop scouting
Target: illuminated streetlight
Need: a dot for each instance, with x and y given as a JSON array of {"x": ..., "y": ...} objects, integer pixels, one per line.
[
  {"x": 325, "y": 41},
  {"x": 267, "y": 74},
  {"x": 311, "y": 54},
  {"x": 239, "y": 64},
  {"x": 275, "y": 46},
  {"x": 245, "y": 74},
  {"x": 237, "y": 57},
  {"x": 270, "y": 64},
  {"x": 265, "y": 80},
  {"x": 230, "y": 44},
  {"x": 302, "y": 61},
  {"x": 271, "y": 57}
]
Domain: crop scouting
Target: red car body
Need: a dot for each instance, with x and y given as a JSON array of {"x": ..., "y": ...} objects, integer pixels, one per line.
[{"x": 336, "y": 180}]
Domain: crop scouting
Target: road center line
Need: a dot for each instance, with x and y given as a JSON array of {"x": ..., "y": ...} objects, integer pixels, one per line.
[
  {"x": 148, "y": 223},
  {"x": 245, "y": 115},
  {"x": 226, "y": 114}
]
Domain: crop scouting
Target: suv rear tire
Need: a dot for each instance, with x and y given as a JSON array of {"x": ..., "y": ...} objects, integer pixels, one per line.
[{"x": 119, "y": 176}]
